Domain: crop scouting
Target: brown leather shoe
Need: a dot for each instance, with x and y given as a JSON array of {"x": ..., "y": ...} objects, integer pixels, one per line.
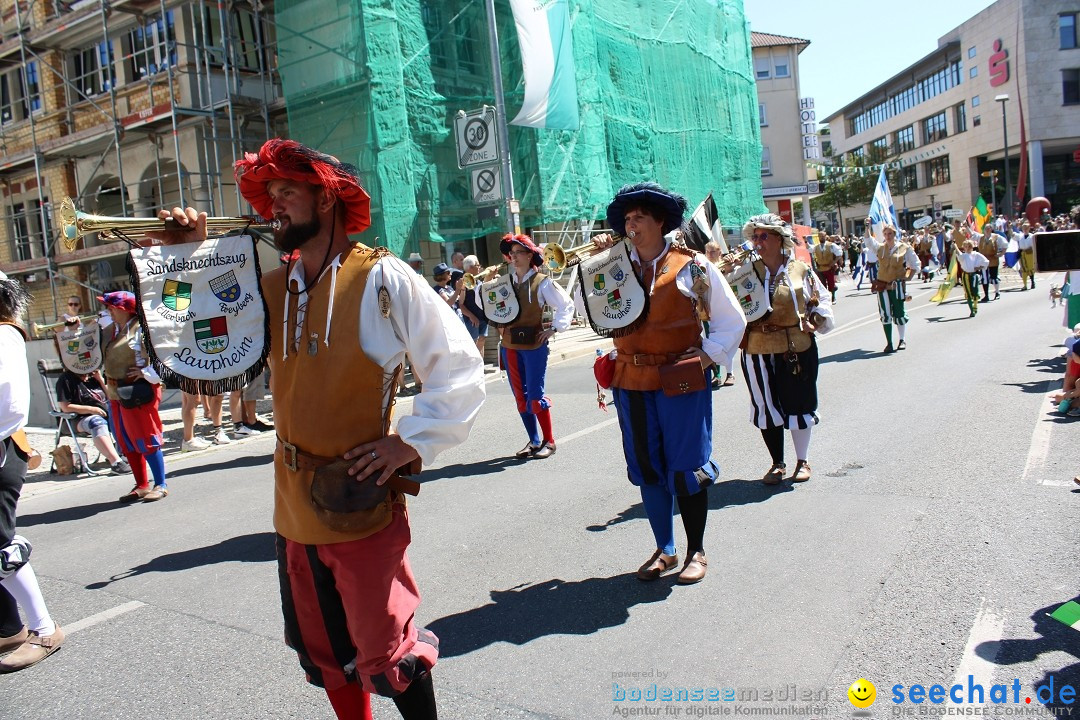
[
  {"x": 657, "y": 565},
  {"x": 34, "y": 650},
  {"x": 775, "y": 474},
  {"x": 546, "y": 450},
  {"x": 159, "y": 492},
  {"x": 528, "y": 451},
  {"x": 802, "y": 472},
  {"x": 12, "y": 642},
  {"x": 135, "y": 493},
  {"x": 694, "y": 570}
]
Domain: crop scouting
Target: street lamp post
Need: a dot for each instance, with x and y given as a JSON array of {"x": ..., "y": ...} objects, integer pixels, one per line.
[
  {"x": 992, "y": 174},
  {"x": 1005, "y": 133}
]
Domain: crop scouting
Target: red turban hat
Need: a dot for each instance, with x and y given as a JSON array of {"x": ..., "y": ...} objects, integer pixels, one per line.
[{"x": 280, "y": 159}]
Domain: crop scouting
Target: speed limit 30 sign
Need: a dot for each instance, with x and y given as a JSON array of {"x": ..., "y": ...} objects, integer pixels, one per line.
[{"x": 475, "y": 137}]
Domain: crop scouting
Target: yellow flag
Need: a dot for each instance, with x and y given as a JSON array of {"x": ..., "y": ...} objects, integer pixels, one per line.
[{"x": 947, "y": 284}]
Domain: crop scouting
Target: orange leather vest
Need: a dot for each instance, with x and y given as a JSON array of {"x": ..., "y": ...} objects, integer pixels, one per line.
[
  {"x": 326, "y": 403},
  {"x": 891, "y": 264},
  {"x": 671, "y": 327},
  {"x": 988, "y": 247}
]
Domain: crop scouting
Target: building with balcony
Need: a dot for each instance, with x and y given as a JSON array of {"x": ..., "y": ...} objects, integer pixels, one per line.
[
  {"x": 127, "y": 106},
  {"x": 950, "y": 120}
]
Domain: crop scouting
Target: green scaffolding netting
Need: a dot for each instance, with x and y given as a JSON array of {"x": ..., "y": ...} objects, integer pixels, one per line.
[{"x": 665, "y": 89}]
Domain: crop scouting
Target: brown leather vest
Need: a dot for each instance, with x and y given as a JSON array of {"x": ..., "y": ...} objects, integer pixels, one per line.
[
  {"x": 670, "y": 328},
  {"x": 119, "y": 358},
  {"x": 780, "y": 331},
  {"x": 326, "y": 403},
  {"x": 891, "y": 266},
  {"x": 824, "y": 258},
  {"x": 988, "y": 247},
  {"x": 532, "y": 312}
]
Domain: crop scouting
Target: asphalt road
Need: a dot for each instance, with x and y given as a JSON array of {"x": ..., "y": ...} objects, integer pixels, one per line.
[{"x": 937, "y": 533}]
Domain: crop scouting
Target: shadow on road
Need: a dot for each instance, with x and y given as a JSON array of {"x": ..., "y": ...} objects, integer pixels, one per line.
[
  {"x": 551, "y": 607},
  {"x": 243, "y": 461},
  {"x": 257, "y": 547},
  {"x": 1055, "y": 637},
  {"x": 1034, "y": 386},
  {"x": 1054, "y": 365},
  {"x": 725, "y": 494},
  {"x": 482, "y": 467},
  {"x": 68, "y": 514},
  {"x": 849, "y": 356},
  {"x": 941, "y": 319}
]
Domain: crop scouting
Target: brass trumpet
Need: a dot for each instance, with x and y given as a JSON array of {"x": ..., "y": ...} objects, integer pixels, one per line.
[
  {"x": 469, "y": 281},
  {"x": 557, "y": 259},
  {"x": 36, "y": 329},
  {"x": 74, "y": 224}
]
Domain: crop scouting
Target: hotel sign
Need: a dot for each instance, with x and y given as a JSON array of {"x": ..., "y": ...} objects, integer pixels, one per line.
[{"x": 808, "y": 123}]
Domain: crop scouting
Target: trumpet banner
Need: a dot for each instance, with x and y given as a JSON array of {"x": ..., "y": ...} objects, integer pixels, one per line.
[
  {"x": 80, "y": 348},
  {"x": 616, "y": 303},
  {"x": 202, "y": 312},
  {"x": 500, "y": 301}
]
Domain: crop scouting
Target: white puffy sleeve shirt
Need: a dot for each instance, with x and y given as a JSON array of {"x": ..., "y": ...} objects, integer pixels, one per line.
[
  {"x": 14, "y": 381},
  {"x": 443, "y": 357}
]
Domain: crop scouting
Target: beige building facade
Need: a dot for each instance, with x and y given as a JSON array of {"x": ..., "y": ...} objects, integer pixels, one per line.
[
  {"x": 946, "y": 120},
  {"x": 126, "y": 106},
  {"x": 782, "y": 114}
]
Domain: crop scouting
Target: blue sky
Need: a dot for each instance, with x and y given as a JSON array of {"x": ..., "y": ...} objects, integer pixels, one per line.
[{"x": 857, "y": 44}]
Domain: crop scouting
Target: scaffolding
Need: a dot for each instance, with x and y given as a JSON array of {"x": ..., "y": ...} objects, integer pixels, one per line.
[{"x": 128, "y": 106}]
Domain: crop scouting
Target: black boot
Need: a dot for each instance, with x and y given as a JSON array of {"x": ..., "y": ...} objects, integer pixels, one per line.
[{"x": 418, "y": 700}]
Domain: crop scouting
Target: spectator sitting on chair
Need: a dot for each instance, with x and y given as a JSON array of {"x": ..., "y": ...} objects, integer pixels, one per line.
[{"x": 84, "y": 395}]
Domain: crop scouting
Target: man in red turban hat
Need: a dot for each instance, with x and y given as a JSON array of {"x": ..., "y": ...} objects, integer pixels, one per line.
[{"x": 347, "y": 592}]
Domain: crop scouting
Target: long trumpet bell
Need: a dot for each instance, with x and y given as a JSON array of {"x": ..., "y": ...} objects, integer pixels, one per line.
[
  {"x": 74, "y": 224},
  {"x": 470, "y": 281},
  {"x": 558, "y": 259},
  {"x": 36, "y": 329}
]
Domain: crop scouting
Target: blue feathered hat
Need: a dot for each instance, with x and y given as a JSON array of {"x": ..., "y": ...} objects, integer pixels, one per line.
[{"x": 672, "y": 205}]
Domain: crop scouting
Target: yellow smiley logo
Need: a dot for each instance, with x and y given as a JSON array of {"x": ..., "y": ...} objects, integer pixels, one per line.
[{"x": 862, "y": 693}]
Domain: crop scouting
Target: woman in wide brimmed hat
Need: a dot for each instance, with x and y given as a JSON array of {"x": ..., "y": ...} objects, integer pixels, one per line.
[
  {"x": 692, "y": 326},
  {"x": 138, "y": 430},
  {"x": 780, "y": 355},
  {"x": 523, "y": 350}
]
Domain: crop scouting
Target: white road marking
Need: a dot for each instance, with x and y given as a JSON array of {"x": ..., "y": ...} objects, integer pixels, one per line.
[
  {"x": 987, "y": 631},
  {"x": 1040, "y": 442},
  {"x": 586, "y": 431},
  {"x": 102, "y": 616}
]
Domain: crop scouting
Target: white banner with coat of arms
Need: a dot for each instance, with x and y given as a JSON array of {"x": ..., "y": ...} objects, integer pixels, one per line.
[
  {"x": 500, "y": 301},
  {"x": 80, "y": 348},
  {"x": 615, "y": 301},
  {"x": 203, "y": 313}
]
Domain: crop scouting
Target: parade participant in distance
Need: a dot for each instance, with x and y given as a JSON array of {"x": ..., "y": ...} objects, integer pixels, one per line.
[
  {"x": 85, "y": 396},
  {"x": 780, "y": 355},
  {"x": 348, "y": 594},
  {"x": 828, "y": 255},
  {"x": 524, "y": 343},
  {"x": 134, "y": 391},
  {"x": 897, "y": 264},
  {"x": 924, "y": 249},
  {"x": 971, "y": 264},
  {"x": 1027, "y": 255},
  {"x": 991, "y": 246},
  {"x": 19, "y": 647},
  {"x": 667, "y": 438}
]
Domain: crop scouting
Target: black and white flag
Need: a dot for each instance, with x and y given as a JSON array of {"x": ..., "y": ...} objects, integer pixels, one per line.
[{"x": 704, "y": 226}]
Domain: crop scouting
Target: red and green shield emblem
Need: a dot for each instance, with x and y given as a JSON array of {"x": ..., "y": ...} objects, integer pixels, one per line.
[
  {"x": 613, "y": 298},
  {"x": 212, "y": 335}
]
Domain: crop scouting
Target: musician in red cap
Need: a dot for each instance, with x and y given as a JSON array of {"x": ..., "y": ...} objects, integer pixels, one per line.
[
  {"x": 523, "y": 350},
  {"x": 343, "y": 315}
]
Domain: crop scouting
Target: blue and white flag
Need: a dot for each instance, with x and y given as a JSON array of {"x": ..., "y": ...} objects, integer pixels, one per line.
[
  {"x": 882, "y": 210},
  {"x": 547, "y": 56}
]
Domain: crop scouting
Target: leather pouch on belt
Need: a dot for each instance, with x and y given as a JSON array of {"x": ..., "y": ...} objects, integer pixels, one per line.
[
  {"x": 345, "y": 505},
  {"x": 682, "y": 377},
  {"x": 523, "y": 335},
  {"x": 878, "y": 285}
]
